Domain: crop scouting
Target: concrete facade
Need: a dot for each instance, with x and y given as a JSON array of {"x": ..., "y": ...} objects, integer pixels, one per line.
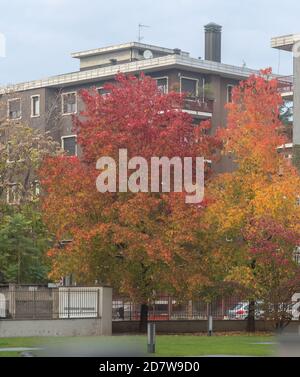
[{"x": 208, "y": 105}]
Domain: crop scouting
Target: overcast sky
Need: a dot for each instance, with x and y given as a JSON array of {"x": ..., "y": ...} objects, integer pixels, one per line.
[{"x": 41, "y": 34}]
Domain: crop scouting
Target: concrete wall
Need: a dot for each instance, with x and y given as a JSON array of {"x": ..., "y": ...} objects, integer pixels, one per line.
[
  {"x": 25, "y": 98},
  {"x": 173, "y": 327},
  {"x": 63, "y": 327},
  {"x": 296, "y": 113},
  {"x": 59, "y": 327}
]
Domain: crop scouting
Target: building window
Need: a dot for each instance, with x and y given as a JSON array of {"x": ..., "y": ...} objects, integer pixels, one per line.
[
  {"x": 69, "y": 103},
  {"x": 14, "y": 108},
  {"x": 13, "y": 194},
  {"x": 162, "y": 84},
  {"x": 35, "y": 106},
  {"x": 69, "y": 145},
  {"x": 102, "y": 91},
  {"x": 189, "y": 86},
  {"x": 229, "y": 93}
]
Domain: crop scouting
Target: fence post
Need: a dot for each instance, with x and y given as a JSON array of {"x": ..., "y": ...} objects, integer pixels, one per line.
[
  {"x": 98, "y": 303},
  {"x": 151, "y": 337},
  {"x": 169, "y": 308},
  {"x": 210, "y": 319},
  {"x": 223, "y": 309},
  {"x": 55, "y": 303},
  {"x": 12, "y": 300},
  {"x": 190, "y": 309},
  {"x": 68, "y": 302},
  {"x": 131, "y": 309},
  {"x": 210, "y": 325},
  {"x": 34, "y": 303}
]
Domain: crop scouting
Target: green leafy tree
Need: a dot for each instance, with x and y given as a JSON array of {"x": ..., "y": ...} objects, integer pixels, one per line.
[{"x": 22, "y": 243}]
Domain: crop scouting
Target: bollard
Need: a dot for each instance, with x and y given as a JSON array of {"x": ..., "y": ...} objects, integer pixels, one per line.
[
  {"x": 210, "y": 325},
  {"x": 151, "y": 337}
]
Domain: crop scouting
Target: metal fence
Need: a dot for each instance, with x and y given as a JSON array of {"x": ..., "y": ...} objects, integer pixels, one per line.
[
  {"x": 222, "y": 308},
  {"x": 168, "y": 308},
  {"x": 49, "y": 303},
  {"x": 35, "y": 302}
]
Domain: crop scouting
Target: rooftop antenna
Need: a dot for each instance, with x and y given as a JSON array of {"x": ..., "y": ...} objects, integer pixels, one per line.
[{"x": 141, "y": 26}]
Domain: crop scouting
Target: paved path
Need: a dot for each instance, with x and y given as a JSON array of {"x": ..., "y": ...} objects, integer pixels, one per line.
[
  {"x": 20, "y": 349},
  {"x": 268, "y": 343}
]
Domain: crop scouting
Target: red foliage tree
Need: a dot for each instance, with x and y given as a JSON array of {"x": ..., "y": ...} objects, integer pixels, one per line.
[{"x": 139, "y": 243}]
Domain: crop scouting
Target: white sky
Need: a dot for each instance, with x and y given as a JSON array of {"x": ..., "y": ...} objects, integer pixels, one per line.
[{"x": 41, "y": 34}]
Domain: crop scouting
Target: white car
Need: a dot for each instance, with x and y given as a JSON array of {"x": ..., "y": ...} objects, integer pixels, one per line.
[{"x": 241, "y": 310}]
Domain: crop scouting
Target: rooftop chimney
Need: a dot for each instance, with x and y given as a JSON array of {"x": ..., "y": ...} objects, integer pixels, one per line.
[
  {"x": 213, "y": 33},
  {"x": 177, "y": 51}
]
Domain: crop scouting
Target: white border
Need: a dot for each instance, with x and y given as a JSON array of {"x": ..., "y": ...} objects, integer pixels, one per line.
[
  {"x": 11, "y": 100},
  {"x": 193, "y": 79},
  {"x": 163, "y": 77},
  {"x": 31, "y": 105},
  {"x": 104, "y": 94},
  {"x": 62, "y": 103},
  {"x": 67, "y": 137}
]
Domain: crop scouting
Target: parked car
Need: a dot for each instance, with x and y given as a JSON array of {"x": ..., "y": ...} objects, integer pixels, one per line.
[
  {"x": 296, "y": 307},
  {"x": 241, "y": 310}
]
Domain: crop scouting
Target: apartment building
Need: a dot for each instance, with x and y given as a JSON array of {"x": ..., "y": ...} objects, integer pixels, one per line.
[
  {"x": 290, "y": 89},
  {"x": 49, "y": 104}
]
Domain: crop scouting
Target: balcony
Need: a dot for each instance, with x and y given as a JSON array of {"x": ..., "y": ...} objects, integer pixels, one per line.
[
  {"x": 199, "y": 107},
  {"x": 286, "y": 87}
]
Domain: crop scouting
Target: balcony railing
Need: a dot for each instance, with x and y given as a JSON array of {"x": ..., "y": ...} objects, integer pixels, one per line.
[
  {"x": 198, "y": 104},
  {"x": 286, "y": 84}
]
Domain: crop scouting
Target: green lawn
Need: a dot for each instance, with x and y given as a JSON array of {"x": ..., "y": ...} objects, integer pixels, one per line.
[{"x": 167, "y": 345}]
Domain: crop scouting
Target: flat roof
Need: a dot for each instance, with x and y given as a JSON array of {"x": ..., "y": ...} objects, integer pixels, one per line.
[
  {"x": 124, "y": 46},
  {"x": 285, "y": 42},
  {"x": 155, "y": 64}
]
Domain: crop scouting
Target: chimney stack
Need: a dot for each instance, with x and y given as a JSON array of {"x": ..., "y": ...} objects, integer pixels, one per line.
[{"x": 213, "y": 33}]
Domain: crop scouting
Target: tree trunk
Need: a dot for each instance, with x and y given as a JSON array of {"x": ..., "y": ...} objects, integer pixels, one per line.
[
  {"x": 144, "y": 318},
  {"x": 251, "y": 317}
]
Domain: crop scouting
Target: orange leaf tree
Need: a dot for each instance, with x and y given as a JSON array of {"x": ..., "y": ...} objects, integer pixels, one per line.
[
  {"x": 139, "y": 243},
  {"x": 252, "y": 222}
]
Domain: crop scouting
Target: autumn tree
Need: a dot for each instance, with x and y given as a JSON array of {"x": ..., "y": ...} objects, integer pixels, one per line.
[
  {"x": 23, "y": 237},
  {"x": 131, "y": 241},
  {"x": 252, "y": 222},
  {"x": 21, "y": 152}
]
